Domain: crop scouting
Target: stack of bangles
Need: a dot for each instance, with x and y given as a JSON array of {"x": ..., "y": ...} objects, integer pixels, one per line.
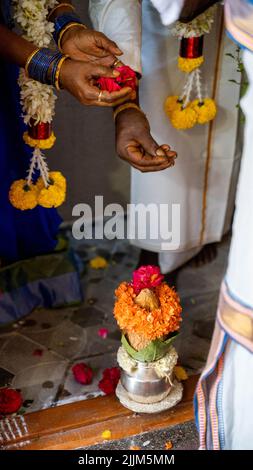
[
  {"x": 64, "y": 21},
  {"x": 44, "y": 66}
]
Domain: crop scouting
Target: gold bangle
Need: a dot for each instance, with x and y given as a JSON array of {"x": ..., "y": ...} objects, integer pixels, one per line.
[
  {"x": 60, "y": 5},
  {"x": 29, "y": 60},
  {"x": 63, "y": 31},
  {"x": 58, "y": 70},
  {"x": 125, "y": 106}
]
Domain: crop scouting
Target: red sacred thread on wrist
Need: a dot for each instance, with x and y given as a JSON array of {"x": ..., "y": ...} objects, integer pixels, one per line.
[{"x": 191, "y": 48}]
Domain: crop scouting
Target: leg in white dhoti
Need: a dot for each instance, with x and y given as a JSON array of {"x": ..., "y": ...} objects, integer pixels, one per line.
[{"x": 225, "y": 394}]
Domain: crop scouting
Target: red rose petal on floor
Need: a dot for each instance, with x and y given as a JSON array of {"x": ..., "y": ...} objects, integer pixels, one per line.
[
  {"x": 103, "y": 333},
  {"x": 110, "y": 380},
  {"x": 10, "y": 400},
  {"x": 82, "y": 373}
]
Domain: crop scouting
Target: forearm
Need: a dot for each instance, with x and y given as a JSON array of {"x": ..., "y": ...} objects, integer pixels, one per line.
[{"x": 14, "y": 48}]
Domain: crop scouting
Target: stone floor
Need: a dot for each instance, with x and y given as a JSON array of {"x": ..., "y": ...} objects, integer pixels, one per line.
[
  {"x": 37, "y": 353},
  {"x": 181, "y": 437}
]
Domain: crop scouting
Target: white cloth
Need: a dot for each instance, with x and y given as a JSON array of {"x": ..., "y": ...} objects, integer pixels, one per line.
[
  {"x": 237, "y": 390},
  {"x": 184, "y": 184},
  {"x": 241, "y": 254},
  {"x": 121, "y": 21},
  {"x": 169, "y": 10}
]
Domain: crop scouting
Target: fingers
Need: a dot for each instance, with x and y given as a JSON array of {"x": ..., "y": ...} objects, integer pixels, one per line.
[
  {"x": 138, "y": 159},
  {"x": 151, "y": 147},
  {"x": 107, "y": 99},
  {"x": 102, "y": 71},
  {"x": 105, "y": 44}
]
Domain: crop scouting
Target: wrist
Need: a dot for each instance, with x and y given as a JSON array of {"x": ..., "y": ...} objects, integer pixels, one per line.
[
  {"x": 58, "y": 10},
  {"x": 63, "y": 23},
  {"x": 124, "y": 111},
  {"x": 71, "y": 32},
  {"x": 44, "y": 65}
]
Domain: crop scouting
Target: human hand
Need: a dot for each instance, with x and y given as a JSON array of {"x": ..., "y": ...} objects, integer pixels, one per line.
[
  {"x": 135, "y": 144},
  {"x": 89, "y": 45},
  {"x": 80, "y": 78}
]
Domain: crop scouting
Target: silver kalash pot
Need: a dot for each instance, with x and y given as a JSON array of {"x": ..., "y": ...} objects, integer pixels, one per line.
[{"x": 144, "y": 385}]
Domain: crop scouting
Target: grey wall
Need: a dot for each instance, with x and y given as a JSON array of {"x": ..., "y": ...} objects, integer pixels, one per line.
[{"x": 85, "y": 150}]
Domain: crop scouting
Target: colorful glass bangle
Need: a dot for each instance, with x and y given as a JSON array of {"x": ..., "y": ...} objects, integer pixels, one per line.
[
  {"x": 61, "y": 21},
  {"x": 60, "y": 5},
  {"x": 58, "y": 71},
  {"x": 70, "y": 25},
  {"x": 40, "y": 63}
]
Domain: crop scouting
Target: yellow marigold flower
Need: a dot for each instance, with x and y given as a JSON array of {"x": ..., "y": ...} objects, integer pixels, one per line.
[
  {"x": 56, "y": 177},
  {"x": 52, "y": 196},
  {"x": 23, "y": 196},
  {"x": 184, "y": 118},
  {"x": 188, "y": 65},
  {"x": 180, "y": 373},
  {"x": 41, "y": 144},
  {"x": 206, "y": 110},
  {"x": 98, "y": 263},
  {"x": 106, "y": 434},
  {"x": 171, "y": 104}
]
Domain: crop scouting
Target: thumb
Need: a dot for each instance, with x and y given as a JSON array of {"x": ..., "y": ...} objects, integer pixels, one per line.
[
  {"x": 110, "y": 46},
  {"x": 103, "y": 71},
  {"x": 151, "y": 147}
]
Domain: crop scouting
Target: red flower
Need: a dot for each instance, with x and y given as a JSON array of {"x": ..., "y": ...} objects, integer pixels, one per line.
[
  {"x": 103, "y": 333},
  {"x": 10, "y": 400},
  {"x": 108, "y": 84},
  {"x": 82, "y": 373},
  {"x": 110, "y": 380},
  {"x": 127, "y": 78},
  {"x": 146, "y": 277}
]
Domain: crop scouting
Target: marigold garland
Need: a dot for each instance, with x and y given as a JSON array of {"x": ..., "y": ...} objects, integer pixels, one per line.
[
  {"x": 171, "y": 104},
  {"x": 151, "y": 325},
  {"x": 23, "y": 196},
  {"x": 183, "y": 118},
  {"x": 55, "y": 177},
  {"x": 43, "y": 144},
  {"x": 182, "y": 112},
  {"x": 52, "y": 196},
  {"x": 38, "y": 106},
  {"x": 188, "y": 65},
  {"x": 206, "y": 110}
]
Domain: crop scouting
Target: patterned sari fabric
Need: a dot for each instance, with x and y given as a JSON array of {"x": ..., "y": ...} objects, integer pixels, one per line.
[
  {"x": 26, "y": 234},
  {"x": 239, "y": 21}
]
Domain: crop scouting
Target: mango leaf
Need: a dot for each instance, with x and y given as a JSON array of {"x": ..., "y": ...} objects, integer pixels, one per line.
[{"x": 154, "y": 351}]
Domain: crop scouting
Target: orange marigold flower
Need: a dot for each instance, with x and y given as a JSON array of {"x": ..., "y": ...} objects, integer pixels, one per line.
[
  {"x": 151, "y": 325},
  {"x": 168, "y": 445}
]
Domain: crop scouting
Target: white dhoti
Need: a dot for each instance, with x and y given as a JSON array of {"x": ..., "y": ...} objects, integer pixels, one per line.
[
  {"x": 225, "y": 394},
  {"x": 204, "y": 179},
  {"x": 237, "y": 387}
]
